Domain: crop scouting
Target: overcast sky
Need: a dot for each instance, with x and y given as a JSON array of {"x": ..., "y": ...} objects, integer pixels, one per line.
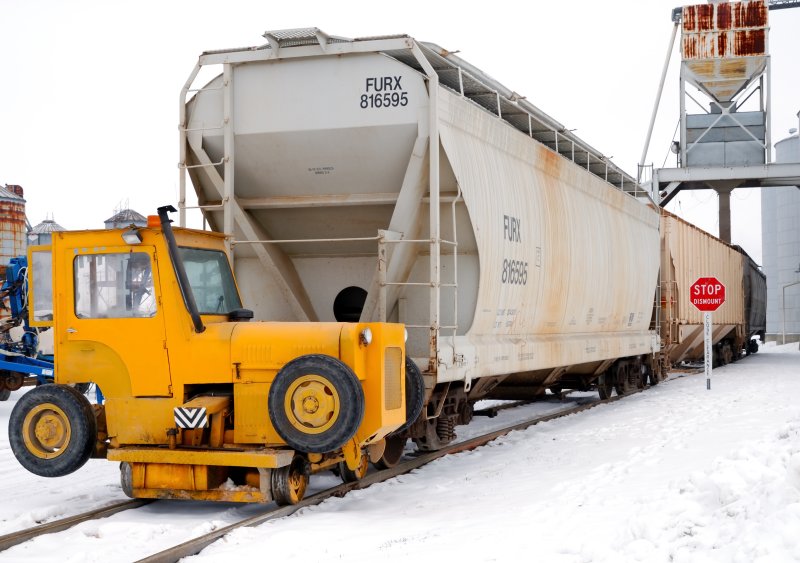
[{"x": 89, "y": 94}]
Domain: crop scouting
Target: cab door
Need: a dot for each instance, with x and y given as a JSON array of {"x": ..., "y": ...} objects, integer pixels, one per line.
[{"x": 110, "y": 321}]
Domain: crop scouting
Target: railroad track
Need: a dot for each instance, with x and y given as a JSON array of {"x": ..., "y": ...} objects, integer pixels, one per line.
[
  {"x": 194, "y": 546},
  {"x": 15, "y": 538}
]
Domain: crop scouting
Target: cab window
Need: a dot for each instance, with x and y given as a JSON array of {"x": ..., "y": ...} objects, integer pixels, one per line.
[
  {"x": 211, "y": 280},
  {"x": 113, "y": 286},
  {"x": 42, "y": 266}
]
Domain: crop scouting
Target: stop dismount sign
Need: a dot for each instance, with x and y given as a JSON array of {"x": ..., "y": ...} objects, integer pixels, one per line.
[{"x": 707, "y": 294}]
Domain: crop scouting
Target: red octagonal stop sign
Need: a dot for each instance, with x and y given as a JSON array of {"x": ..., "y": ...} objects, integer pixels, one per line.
[{"x": 707, "y": 294}]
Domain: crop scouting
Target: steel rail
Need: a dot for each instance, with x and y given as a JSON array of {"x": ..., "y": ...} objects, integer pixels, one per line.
[
  {"x": 194, "y": 546},
  {"x": 21, "y": 536}
]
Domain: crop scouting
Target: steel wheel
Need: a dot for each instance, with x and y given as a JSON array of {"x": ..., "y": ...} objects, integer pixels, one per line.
[
  {"x": 352, "y": 475},
  {"x": 316, "y": 403},
  {"x": 126, "y": 478},
  {"x": 395, "y": 444},
  {"x": 52, "y": 430},
  {"x": 622, "y": 382},
  {"x": 641, "y": 378},
  {"x": 289, "y": 483},
  {"x": 727, "y": 354},
  {"x": 605, "y": 386}
]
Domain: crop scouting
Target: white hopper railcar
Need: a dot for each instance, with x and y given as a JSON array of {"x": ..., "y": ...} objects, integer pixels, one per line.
[{"x": 386, "y": 178}]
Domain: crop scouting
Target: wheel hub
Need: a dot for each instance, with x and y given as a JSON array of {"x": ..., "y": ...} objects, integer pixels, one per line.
[
  {"x": 312, "y": 404},
  {"x": 46, "y": 431}
]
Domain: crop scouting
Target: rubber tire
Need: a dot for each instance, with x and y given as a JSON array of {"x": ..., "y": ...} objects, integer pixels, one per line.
[
  {"x": 12, "y": 380},
  {"x": 351, "y": 403},
  {"x": 415, "y": 395},
  {"x": 82, "y": 388},
  {"x": 5, "y": 393},
  {"x": 82, "y": 426}
]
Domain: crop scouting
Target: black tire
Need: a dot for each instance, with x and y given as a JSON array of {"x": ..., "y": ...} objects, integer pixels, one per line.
[
  {"x": 82, "y": 388},
  {"x": 12, "y": 380},
  {"x": 415, "y": 395},
  {"x": 329, "y": 387},
  {"x": 52, "y": 430},
  {"x": 289, "y": 483}
]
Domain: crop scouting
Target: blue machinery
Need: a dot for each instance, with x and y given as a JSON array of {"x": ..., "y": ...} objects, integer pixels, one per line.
[{"x": 21, "y": 363}]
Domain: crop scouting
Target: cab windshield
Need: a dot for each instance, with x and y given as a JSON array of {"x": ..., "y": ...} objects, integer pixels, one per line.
[{"x": 211, "y": 280}]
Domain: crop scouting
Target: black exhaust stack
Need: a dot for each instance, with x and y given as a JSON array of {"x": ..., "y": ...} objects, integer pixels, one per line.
[{"x": 180, "y": 271}]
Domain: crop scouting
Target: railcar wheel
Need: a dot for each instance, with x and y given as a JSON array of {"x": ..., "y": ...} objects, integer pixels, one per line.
[
  {"x": 415, "y": 394},
  {"x": 348, "y": 475},
  {"x": 395, "y": 444},
  {"x": 622, "y": 379},
  {"x": 652, "y": 376},
  {"x": 289, "y": 483},
  {"x": 641, "y": 380},
  {"x": 316, "y": 403},
  {"x": 52, "y": 430},
  {"x": 605, "y": 386},
  {"x": 727, "y": 354}
]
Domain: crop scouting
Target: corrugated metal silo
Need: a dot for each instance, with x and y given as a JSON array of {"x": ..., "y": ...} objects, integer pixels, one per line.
[
  {"x": 43, "y": 232},
  {"x": 780, "y": 220},
  {"x": 12, "y": 224}
]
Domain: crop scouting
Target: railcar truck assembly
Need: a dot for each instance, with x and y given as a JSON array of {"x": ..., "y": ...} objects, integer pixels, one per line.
[{"x": 200, "y": 403}]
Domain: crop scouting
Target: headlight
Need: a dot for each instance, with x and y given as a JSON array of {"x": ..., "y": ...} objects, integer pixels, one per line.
[
  {"x": 366, "y": 337},
  {"x": 405, "y": 335}
]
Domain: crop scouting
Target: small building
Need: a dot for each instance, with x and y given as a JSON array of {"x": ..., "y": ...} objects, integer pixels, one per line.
[{"x": 125, "y": 218}]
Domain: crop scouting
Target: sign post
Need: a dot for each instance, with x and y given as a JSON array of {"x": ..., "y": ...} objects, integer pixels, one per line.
[
  {"x": 707, "y": 294},
  {"x": 707, "y": 344}
]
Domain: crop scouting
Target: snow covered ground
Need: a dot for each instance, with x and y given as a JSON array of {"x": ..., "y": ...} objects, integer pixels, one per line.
[{"x": 677, "y": 473}]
